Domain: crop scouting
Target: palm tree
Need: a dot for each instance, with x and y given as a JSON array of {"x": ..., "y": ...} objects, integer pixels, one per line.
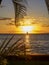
[
  {"x": 47, "y": 3},
  {"x": 0, "y": 1},
  {"x": 20, "y": 10}
]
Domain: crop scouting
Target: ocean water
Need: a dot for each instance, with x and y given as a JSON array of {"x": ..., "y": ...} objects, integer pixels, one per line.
[{"x": 29, "y": 43}]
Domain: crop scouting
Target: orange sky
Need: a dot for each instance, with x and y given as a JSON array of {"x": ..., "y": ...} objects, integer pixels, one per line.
[
  {"x": 40, "y": 25},
  {"x": 37, "y": 11}
]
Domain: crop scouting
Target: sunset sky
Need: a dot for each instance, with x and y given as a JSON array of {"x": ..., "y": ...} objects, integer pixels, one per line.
[{"x": 36, "y": 11}]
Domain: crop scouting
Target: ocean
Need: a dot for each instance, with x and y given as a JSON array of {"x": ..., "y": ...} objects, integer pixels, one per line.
[{"x": 29, "y": 43}]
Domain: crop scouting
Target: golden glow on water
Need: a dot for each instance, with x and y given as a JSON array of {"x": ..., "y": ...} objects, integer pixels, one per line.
[
  {"x": 27, "y": 44},
  {"x": 27, "y": 38}
]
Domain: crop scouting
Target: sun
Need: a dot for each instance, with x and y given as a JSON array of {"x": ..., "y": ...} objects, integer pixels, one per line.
[
  {"x": 27, "y": 29},
  {"x": 26, "y": 26}
]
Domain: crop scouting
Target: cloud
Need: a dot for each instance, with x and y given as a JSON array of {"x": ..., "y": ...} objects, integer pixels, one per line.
[
  {"x": 45, "y": 25},
  {"x": 10, "y": 24}
]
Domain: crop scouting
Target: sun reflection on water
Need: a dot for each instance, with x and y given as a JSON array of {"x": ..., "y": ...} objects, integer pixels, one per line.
[{"x": 27, "y": 44}]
